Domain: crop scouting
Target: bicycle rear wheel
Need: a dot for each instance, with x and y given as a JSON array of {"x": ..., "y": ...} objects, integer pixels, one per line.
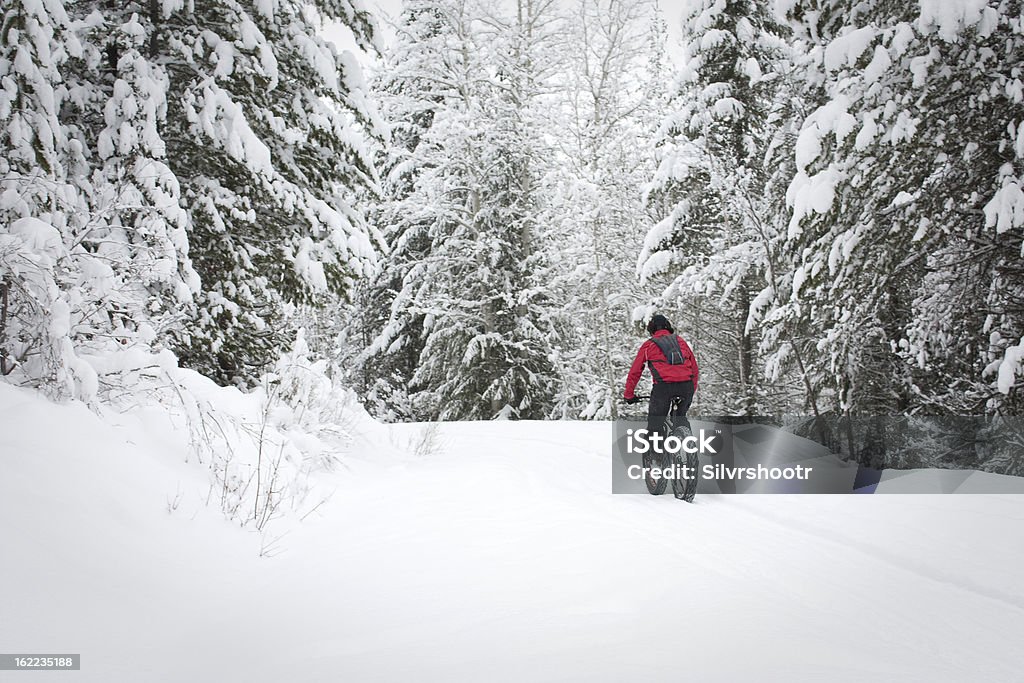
[{"x": 686, "y": 489}]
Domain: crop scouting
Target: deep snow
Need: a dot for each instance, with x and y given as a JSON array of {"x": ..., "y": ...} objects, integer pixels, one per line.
[{"x": 499, "y": 556}]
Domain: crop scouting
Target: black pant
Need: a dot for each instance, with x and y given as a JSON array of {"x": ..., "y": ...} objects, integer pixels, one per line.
[{"x": 662, "y": 394}]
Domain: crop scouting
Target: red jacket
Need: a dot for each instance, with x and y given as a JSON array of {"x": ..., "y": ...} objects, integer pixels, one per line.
[{"x": 649, "y": 354}]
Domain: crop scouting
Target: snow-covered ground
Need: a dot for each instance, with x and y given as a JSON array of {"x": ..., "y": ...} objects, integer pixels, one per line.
[{"x": 499, "y": 555}]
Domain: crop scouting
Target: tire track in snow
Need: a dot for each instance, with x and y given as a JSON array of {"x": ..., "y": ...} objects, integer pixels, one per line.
[
  {"x": 574, "y": 451},
  {"x": 879, "y": 554}
]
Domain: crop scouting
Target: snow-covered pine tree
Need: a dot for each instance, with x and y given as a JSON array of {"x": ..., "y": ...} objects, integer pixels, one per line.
[
  {"x": 266, "y": 130},
  {"x": 709, "y": 248},
  {"x": 384, "y": 337},
  {"x": 138, "y": 228},
  {"x": 38, "y": 197},
  {"x": 907, "y": 208},
  {"x": 36, "y": 40},
  {"x": 486, "y": 351},
  {"x": 94, "y": 255},
  {"x": 462, "y": 193}
]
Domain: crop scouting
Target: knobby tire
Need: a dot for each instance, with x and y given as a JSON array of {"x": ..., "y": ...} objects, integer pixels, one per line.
[
  {"x": 685, "y": 489},
  {"x": 654, "y": 487}
]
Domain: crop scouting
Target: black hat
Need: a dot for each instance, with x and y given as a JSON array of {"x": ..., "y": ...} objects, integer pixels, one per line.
[{"x": 659, "y": 322}]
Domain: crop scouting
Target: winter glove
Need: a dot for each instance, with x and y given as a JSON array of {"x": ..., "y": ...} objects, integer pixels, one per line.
[{"x": 631, "y": 400}]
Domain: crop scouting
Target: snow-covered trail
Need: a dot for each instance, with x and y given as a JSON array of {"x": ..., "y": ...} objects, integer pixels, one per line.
[
  {"x": 507, "y": 558},
  {"x": 503, "y": 556}
]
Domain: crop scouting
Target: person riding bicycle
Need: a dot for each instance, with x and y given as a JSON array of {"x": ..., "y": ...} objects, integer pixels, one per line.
[{"x": 673, "y": 368}]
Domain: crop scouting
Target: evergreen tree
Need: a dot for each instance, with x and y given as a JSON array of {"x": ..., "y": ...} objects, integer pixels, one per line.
[
  {"x": 167, "y": 143},
  {"x": 906, "y": 221},
  {"x": 383, "y": 349},
  {"x": 95, "y": 251},
  {"x": 138, "y": 226},
  {"x": 266, "y": 131},
  {"x": 709, "y": 248},
  {"x": 40, "y": 201},
  {"x": 462, "y": 198}
]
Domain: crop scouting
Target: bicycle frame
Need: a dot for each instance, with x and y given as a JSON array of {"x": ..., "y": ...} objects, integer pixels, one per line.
[
  {"x": 673, "y": 413},
  {"x": 675, "y": 420}
]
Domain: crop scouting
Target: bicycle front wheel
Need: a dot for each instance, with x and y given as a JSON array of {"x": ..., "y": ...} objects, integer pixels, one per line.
[
  {"x": 685, "y": 488},
  {"x": 655, "y": 486}
]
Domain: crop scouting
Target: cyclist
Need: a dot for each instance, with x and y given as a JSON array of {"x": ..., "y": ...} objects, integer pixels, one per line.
[{"x": 673, "y": 368}]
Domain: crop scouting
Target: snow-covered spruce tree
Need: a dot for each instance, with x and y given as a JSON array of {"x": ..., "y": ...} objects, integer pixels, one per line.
[
  {"x": 138, "y": 227},
  {"x": 907, "y": 206},
  {"x": 384, "y": 337},
  {"x": 37, "y": 197},
  {"x": 266, "y": 127},
  {"x": 607, "y": 96},
  {"x": 788, "y": 343},
  {"x": 488, "y": 352},
  {"x": 36, "y": 40},
  {"x": 463, "y": 198},
  {"x": 94, "y": 256},
  {"x": 709, "y": 248}
]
